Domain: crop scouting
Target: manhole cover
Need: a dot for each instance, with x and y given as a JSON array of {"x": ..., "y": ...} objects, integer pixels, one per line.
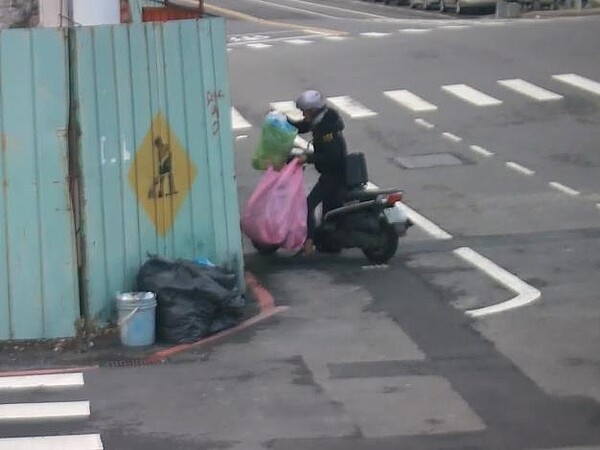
[{"x": 429, "y": 160}]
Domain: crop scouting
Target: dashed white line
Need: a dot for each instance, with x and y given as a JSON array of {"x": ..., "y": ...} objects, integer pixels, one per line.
[
  {"x": 422, "y": 222},
  {"x": 415, "y": 30},
  {"x": 241, "y": 137},
  {"x": 525, "y": 293},
  {"x": 452, "y": 137},
  {"x": 425, "y": 124},
  {"x": 42, "y": 381},
  {"x": 258, "y": 45},
  {"x": 73, "y": 442},
  {"x": 471, "y": 95},
  {"x": 482, "y": 151},
  {"x": 298, "y": 41},
  {"x": 50, "y": 410},
  {"x": 375, "y": 34},
  {"x": 351, "y": 107},
  {"x": 580, "y": 82},
  {"x": 519, "y": 168},
  {"x": 530, "y": 90},
  {"x": 564, "y": 189},
  {"x": 336, "y": 38},
  {"x": 410, "y": 100},
  {"x": 454, "y": 27}
]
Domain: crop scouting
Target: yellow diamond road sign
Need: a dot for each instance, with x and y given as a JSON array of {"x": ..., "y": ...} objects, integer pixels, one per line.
[{"x": 161, "y": 175}]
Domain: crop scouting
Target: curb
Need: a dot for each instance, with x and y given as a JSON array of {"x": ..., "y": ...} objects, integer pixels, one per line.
[{"x": 267, "y": 307}]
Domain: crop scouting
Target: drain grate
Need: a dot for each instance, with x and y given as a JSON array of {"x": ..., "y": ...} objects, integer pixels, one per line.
[
  {"x": 129, "y": 363},
  {"x": 428, "y": 160}
]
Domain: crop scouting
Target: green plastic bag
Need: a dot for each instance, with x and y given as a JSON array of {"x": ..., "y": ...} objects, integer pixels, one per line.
[{"x": 276, "y": 142}]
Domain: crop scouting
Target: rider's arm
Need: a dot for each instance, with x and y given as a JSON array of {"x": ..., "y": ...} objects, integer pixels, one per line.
[
  {"x": 331, "y": 159},
  {"x": 302, "y": 125}
]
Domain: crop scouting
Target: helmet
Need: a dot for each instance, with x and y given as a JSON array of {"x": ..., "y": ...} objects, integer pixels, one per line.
[{"x": 310, "y": 100}]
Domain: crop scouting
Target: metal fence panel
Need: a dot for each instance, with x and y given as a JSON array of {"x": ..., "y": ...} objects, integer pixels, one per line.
[
  {"x": 156, "y": 150},
  {"x": 38, "y": 270}
]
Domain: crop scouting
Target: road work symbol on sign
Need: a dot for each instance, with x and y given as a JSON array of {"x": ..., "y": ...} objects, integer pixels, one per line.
[{"x": 161, "y": 175}]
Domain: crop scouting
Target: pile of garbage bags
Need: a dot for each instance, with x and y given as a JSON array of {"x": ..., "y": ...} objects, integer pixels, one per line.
[{"x": 194, "y": 300}]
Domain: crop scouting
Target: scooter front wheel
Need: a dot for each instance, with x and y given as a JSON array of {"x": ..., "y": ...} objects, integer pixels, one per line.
[
  {"x": 265, "y": 249},
  {"x": 388, "y": 244}
]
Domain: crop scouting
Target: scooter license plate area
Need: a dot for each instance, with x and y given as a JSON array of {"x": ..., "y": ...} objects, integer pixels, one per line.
[{"x": 396, "y": 214}]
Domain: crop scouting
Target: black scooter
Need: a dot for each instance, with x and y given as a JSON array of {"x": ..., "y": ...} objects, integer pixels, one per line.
[{"x": 369, "y": 219}]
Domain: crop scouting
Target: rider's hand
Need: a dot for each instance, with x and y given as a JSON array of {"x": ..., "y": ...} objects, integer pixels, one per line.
[{"x": 302, "y": 159}]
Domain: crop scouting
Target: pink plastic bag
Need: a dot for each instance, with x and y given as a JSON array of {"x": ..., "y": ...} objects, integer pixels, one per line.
[{"x": 276, "y": 211}]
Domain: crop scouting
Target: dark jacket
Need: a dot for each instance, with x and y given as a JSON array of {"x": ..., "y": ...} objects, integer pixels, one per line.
[{"x": 330, "y": 153}]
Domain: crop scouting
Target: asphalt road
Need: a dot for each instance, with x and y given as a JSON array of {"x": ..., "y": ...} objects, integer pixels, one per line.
[{"x": 390, "y": 357}]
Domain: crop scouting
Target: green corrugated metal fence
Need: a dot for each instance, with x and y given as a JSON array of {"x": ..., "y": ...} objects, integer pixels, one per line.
[
  {"x": 38, "y": 269},
  {"x": 152, "y": 165}
]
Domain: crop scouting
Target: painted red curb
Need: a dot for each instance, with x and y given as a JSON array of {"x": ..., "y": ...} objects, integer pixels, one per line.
[
  {"x": 267, "y": 306},
  {"x": 24, "y": 373},
  {"x": 264, "y": 297}
]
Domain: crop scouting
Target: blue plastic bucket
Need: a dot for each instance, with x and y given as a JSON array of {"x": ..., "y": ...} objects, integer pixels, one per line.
[{"x": 137, "y": 318}]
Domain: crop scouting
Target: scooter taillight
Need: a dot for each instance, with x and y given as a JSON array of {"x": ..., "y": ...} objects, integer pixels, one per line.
[{"x": 394, "y": 198}]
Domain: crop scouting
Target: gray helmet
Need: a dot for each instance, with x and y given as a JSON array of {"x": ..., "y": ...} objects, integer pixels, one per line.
[{"x": 310, "y": 100}]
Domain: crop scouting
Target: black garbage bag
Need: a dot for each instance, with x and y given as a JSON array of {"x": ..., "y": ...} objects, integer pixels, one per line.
[{"x": 194, "y": 301}]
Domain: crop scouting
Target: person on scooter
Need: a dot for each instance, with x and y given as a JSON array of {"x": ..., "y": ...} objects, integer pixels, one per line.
[{"x": 329, "y": 157}]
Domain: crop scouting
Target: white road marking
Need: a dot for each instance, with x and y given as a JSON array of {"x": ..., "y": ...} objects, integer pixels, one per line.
[
  {"x": 425, "y": 124},
  {"x": 415, "y": 30},
  {"x": 525, "y": 293},
  {"x": 482, "y": 151},
  {"x": 258, "y": 45},
  {"x": 41, "y": 381},
  {"x": 336, "y": 38},
  {"x": 375, "y": 34},
  {"x": 410, "y": 100},
  {"x": 422, "y": 222},
  {"x": 351, "y": 107},
  {"x": 564, "y": 189},
  {"x": 519, "y": 168},
  {"x": 375, "y": 267},
  {"x": 298, "y": 41},
  {"x": 73, "y": 442},
  {"x": 288, "y": 108},
  {"x": 598, "y": 205},
  {"x": 530, "y": 90},
  {"x": 241, "y": 136},
  {"x": 238, "y": 122},
  {"x": 50, "y": 410},
  {"x": 452, "y": 137},
  {"x": 580, "y": 82},
  {"x": 454, "y": 27},
  {"x": 471, "y": 95}
]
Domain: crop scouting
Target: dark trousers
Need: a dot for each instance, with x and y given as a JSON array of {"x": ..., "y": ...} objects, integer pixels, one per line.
[{"x": 329, "y": 192}]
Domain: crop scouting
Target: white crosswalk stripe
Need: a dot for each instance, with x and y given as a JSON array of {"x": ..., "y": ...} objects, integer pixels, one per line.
[
  {"x": 238, "y": 122},
  {"x": 351, "y": 107},
  {"x": 288, "y": 108},
  {"x": 298, "y": 41},
  {"x": 41, "y": 381},
  {"x": 530, "y": 90},
  {"x": 72, "y": 442},
  {"x": 55, "y": 412},
  {"x": 258, "y": 45},
  {"x": 375, "y": 34},
  {"x": 471, "y": 95},
  {"x": 410, "y": 100},
  {"x": 49, "y": 410},
  {"x": 579, "y": 82}
]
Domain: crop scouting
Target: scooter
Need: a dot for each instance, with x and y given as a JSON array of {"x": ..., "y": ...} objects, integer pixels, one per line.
[{"x": 369, "y": 219}]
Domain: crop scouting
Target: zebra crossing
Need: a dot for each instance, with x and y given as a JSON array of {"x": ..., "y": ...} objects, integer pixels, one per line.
[
  {"x": 58, "y": 413},
  {"x": 416, "y": 103}
]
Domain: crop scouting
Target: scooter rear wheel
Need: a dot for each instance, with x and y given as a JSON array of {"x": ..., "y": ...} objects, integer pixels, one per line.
[{"x": 387, "y": 248}]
